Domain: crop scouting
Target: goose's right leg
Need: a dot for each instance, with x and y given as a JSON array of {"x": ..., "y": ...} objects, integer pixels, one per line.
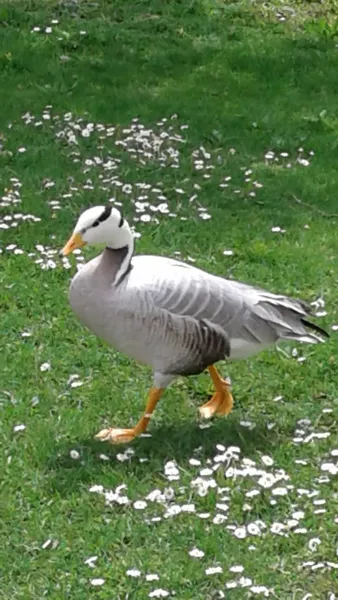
[{"x": 222, "y": 401}]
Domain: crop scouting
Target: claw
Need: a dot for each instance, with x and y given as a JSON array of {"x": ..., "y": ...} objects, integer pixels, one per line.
[{"x": 103, "y": 435}]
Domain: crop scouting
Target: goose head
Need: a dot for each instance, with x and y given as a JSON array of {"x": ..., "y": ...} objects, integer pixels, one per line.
[{"x": 100, "y": 225}]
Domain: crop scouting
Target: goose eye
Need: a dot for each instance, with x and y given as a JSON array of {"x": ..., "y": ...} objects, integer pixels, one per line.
[{"x": 96, "y": 223}]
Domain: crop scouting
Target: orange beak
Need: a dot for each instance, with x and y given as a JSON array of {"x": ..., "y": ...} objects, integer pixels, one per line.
[{"x": 74, "y": 242}]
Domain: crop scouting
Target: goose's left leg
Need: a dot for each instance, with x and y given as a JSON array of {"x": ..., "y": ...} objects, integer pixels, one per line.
[
  {"x": 122, "y": 436},
  {"x": 222, "y": 401}
]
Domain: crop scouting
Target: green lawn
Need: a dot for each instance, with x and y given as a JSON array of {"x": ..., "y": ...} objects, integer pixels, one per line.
[{"x": 239, "y": 106}]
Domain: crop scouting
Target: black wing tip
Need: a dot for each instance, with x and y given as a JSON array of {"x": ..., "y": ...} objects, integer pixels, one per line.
[{"x": 316, "y": 328}]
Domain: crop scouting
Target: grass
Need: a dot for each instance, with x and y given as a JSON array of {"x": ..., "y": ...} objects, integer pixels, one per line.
[{"x": 246, "y": 83}]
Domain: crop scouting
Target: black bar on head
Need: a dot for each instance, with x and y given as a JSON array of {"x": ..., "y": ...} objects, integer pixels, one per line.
[
  {"x": 106, "y": 213},
  {"x": 121, "y": 220}
]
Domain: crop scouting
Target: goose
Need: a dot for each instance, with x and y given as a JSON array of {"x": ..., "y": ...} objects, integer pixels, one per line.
[{"x": 174, "y": 317}]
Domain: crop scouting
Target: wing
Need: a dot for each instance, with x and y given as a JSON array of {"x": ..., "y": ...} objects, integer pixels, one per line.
[
  {"x": 185, "y": 290},
  {"x": 186, "y": 315},
  {"x": 250, "y": 317},
  {"x": 194, "y": 345}
]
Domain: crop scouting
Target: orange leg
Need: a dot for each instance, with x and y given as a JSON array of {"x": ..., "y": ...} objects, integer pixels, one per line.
[
  {"x": 222, "y": 401},
  {"x": 122, "y": 436}
]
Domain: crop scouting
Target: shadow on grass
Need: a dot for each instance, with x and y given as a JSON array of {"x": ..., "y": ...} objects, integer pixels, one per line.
[{"x": 177, "y": 442}]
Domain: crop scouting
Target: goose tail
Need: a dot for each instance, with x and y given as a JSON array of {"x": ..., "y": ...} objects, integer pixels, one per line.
[
  {"x": 275, "y": 317},
  {"x": 289, "y": 318}
]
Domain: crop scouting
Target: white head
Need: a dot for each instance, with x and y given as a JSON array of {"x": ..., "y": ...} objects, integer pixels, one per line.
[{"x": 100, "y": 225}]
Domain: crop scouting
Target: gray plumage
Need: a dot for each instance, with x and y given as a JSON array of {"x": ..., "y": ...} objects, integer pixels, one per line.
[{"x": 179, "y": 319}]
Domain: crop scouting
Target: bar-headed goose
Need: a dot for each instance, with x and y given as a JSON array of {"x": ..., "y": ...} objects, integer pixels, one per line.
[{"x": 174, "y": 317}]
